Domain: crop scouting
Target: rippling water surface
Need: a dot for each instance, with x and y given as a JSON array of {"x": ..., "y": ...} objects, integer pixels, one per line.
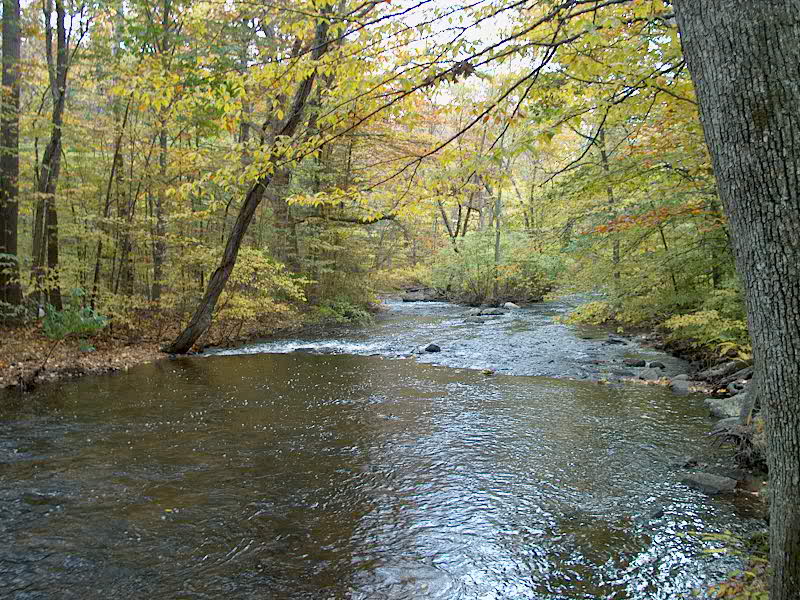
[{"x": 357, "y": 477}]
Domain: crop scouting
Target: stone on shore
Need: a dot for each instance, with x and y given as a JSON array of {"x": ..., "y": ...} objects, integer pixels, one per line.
[
  {"x": 709, "y": 484},
  {"x": 723, "y": 408}
]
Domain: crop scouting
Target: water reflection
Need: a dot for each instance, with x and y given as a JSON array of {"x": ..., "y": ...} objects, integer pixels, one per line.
[{"x": 298, "y": 476}]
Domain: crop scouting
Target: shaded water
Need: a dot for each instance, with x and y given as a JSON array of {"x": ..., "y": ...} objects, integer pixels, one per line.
[{"x": 343, "y": 476}]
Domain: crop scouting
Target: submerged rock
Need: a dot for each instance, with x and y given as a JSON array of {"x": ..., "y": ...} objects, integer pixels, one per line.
[
  {"x": 657, "y": 365},
  {"x": 492, "y": 311},
  {"x": 616, "y": 340},
  {"x": 709, "y": 484},
  {"x": 476, "y": 320}
]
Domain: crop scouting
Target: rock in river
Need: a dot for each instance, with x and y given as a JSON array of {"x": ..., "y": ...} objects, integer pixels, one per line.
[
  {"x": 510, "y": 306},
  {"x": 650, "y": 374},
  {"x": 682, "y": 387},
  {"x": 709, "y": 484},
  {"x": 432, "y": 348},
  {"x": 476, "y": 320},
  {"x": 634, "y": 362}
]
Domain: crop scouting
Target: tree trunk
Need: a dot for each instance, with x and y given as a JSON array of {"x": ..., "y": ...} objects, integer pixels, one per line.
[
  {"x": 10, "y": 290},
  {"x": 498, "y": 208},
  {"x": 284, "y": 242},
  {"x": 744, "y": 57},
  {"x": 201, "y": 319},
  {"x": 159, "y": 241},
  {"x": 51, "y": 160},
  {"x": 159, "y": 233},
  {"x": 612, "y": 202}
]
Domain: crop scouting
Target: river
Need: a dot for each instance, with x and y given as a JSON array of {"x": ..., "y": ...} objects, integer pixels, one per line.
[{"x": 356, "y": 471}]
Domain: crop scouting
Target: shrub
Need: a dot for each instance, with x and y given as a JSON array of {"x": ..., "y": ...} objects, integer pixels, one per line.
[
  {"x": 719, "y": 325},
  {"x": 342, "y": 311},
  {"x": 75, "y": 320},
  {"x": 471, "y": 276}
]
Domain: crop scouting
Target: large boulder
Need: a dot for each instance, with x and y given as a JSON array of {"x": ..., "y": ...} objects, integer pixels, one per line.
[
  {"x": 432, "y": 348},
  {"x": 709, "y": 484},
  {"x": 649, "y": 374},
  {"x": 682, "y": 387},
  {"x": 510, "y": 306},
  {"x": 723, "y": 408}
]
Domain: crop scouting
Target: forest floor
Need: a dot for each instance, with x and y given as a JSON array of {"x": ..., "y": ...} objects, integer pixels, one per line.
[{"x": 26, "y": 350}]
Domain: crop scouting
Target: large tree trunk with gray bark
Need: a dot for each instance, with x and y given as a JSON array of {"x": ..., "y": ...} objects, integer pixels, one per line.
[{"x": 744, "y": 57}]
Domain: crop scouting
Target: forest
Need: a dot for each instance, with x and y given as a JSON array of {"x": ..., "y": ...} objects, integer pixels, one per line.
[
  {"x": 191, "y": 174},
  {"x": 392, "y": 150}
]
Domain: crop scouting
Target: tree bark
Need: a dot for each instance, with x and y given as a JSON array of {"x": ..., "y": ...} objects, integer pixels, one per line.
[
  {"x": 10, "y": 290},
  {"x": 744, "y": 57},
  {"x": 612, "y": 202},
  {"x": 46, "y": 239},
  {"x": 160, "y": 230},
  {"x": 201, "y": 319}
]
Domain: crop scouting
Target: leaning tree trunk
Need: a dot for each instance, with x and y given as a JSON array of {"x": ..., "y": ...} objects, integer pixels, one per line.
[
  {"x": 10, "y": 291},
  {"x": 744, "y": 57},
  {"x": 201, "y": 319}
]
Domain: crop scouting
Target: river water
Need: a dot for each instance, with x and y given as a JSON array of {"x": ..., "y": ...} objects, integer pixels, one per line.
[{"x": 353, "y": 472}]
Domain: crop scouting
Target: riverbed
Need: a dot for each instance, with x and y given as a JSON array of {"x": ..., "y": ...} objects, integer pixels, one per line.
[{"x": 358, "y": 469}]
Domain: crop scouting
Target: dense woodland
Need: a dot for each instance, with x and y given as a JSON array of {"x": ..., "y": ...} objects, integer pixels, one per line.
[
  {"x": 566, "y": 156},
  {"x": 221, "y": 169}
]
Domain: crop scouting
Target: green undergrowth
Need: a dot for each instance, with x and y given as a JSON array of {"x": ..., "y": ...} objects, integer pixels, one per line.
[
  {"x": 472, "y": 272},
  {"x": 341, "y": 311},
  {"x": 711, "y": 326}
]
